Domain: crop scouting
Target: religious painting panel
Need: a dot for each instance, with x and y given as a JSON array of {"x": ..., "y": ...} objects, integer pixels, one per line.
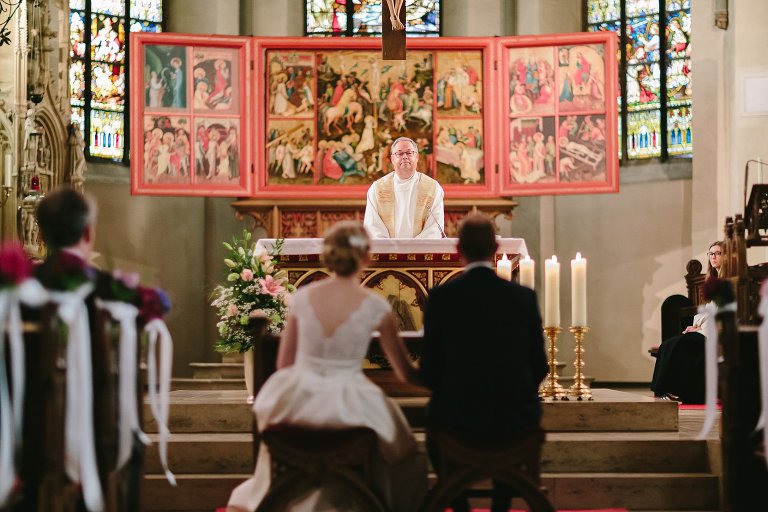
[
  {"x": 582, "y": 78},
  {"x": 532, "y": 81},
  {"x": 459, "y": 85},
  {"x": 559, "y": 96},
  {"x": 196, "y": 136},
  {"x": 215, "y": 77},
  {"x": 290, "y": 155},
  {"x": 533, "y": 150},
  {"x": 358, "y": 104},
  {"x": 167, "y": 149},
  {"x": 165, "y": 85},
  {"x": 291, "y": 84},
  {"x": 459, "y": 151}
]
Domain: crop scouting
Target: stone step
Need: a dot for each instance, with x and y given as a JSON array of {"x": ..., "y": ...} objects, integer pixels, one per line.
[
  {"x": 590, "y": 453},
  {"x": 217, "y": 370},
  {"x": 212, "y": 384},
  {"x": 611, "y": 411},
  {"x": 635, "y": 491}
]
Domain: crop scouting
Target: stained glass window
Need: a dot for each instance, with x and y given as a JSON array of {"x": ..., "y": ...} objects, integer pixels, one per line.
[
  {"x": 98, "y": 73},
  {"x": 654, "y": 62},
  {"x": 363, "y": 17}
]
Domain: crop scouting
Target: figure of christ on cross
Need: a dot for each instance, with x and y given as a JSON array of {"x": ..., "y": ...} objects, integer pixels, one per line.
[{"x": 393, "y": 30}]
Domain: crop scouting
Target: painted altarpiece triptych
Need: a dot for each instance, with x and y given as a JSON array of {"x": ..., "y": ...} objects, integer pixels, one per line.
[{"x": 314, "y": 118}]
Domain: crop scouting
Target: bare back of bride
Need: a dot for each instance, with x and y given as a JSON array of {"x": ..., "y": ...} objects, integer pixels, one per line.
[{"x": 320, "y": 382}]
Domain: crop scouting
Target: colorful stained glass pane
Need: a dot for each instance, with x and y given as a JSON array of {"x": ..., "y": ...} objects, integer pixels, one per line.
[
  {"x": 107, "y": 38},
  {"x": 107, "y": 86},
  {"x": 76, "y": 35},
  {"x": 644, "y": 134},
  {"x": 107, "y": 137},
  {"x": 679, "y": 82},
  {"x": 150, "y": 10},
  {"x": 326, "y": 17},
  {"x": 643, "y": 86},
  {"x": 77, "y": 117},
  {"x": 678, "y": 34},
  {"x": 677, "y": 5},
  {"x": 77, "y": 4},
  {"x": 599, "y": 11},
  {"x": 114, "y": 7},
  {"x": 641, "y": 7},
  {"x": 643, "y": 40},
  {"x": 77, "y": 79},
  {"x": 145, "y": 26},
  {"x": 605, "y": 26},
  {"x": 679, "y": 131},
  {"x": 422, "y": 17}
]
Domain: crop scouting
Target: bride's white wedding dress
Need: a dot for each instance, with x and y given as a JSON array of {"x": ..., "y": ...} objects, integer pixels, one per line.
[{"x": 326, "y": 387}]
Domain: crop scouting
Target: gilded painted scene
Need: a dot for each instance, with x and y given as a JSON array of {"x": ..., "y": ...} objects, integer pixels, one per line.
[
  {"x": 217, "y": 150},
  {"x": 531, "y": 81},
  {"x": 360, "y": 106}
]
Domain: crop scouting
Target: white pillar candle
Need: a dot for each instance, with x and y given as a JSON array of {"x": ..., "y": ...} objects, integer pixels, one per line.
[
  {"x": 579, "y": 291},
  {"x": 552, "y": 292},
  {"x": 527, "y": 272},
  {"x": 504, "y": 268},
  {"x": 8, "y": 170}
]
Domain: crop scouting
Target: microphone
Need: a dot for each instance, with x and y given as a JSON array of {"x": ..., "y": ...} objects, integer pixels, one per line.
[{"x": 442, "y": 233}]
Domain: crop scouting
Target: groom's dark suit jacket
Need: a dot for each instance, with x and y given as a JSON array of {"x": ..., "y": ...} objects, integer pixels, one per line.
[{"x": 483, "y": 355}]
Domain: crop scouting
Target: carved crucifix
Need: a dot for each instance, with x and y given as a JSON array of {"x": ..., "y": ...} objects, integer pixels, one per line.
[{"x": 393, "y": 30}]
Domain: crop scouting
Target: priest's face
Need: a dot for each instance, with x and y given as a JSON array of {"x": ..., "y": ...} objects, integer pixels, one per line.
[{"x": 404, "y": 156}]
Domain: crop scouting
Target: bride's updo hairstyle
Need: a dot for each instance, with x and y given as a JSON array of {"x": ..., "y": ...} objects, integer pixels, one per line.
[{"x": 345, "y": 247}]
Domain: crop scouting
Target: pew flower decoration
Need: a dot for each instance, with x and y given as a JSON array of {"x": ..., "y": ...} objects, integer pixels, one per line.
[
  {"x": 15, "y": 267},
  {"x": 255, "y": 287}
]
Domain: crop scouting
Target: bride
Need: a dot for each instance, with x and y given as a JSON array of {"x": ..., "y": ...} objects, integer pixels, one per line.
[{"x": 320, "y": 382}]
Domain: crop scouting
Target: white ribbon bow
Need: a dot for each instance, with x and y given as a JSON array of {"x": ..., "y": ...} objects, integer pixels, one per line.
[
  {"x": 80, "y": 449},
  {"x": 762, "y": 343},
  {"x": 158, "y": 331},
  {"x": 125, "y": 314},
  {"x": 710, "y": 364},
  {"x": 11, "y": 411}
]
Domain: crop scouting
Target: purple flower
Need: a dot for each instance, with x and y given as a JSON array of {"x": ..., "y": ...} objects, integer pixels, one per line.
[{"x": 15, "y": 267}]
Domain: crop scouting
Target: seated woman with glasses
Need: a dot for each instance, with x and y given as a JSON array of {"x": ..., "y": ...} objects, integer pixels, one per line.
[
  {"x": 679, "y": 371},
  {"x": 405, "y": 203}
]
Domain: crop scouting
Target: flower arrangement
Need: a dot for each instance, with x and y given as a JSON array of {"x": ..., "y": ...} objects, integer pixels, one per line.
[
  {"x": 256, "y": 288},
  {"x": 15, "y": 267},
  {"x": 719, "y": 291}
]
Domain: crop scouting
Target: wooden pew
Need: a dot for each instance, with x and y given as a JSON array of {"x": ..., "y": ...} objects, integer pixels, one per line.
[{"x": 745, "y": 477}]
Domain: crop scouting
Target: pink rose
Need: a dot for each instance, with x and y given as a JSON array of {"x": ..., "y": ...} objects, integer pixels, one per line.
[
  {"x": 246, "y": 275},
  {"x": 231, "y": 310},
  {"x": 257, "y": 313},
  {"x": 271, "y": 286}
]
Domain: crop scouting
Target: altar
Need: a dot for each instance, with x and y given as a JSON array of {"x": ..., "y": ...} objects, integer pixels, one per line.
[{"x": 401, "y": 270}]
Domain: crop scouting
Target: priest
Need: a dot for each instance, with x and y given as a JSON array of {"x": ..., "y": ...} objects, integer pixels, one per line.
[{"x": 405, "y": 203}]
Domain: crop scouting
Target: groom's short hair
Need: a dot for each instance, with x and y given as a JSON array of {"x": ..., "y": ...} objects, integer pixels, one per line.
[
  {"x": 477, "y": 238},
  {"x": 63, "y": 216}
]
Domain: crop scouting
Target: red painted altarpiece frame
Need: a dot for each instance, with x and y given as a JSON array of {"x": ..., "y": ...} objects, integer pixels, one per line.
[{"x": 493, "y": 116}]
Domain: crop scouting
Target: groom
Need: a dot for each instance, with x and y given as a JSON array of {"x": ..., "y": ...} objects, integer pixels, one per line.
[{"x": 483, "y": 355}]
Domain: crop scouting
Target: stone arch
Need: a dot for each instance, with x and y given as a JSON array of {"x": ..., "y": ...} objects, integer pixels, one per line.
[{"x": 54, "y": 138}]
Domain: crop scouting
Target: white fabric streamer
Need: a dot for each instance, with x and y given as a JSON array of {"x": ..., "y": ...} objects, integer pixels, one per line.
[
  {"x": 11, "y": 411},
  {"x": 80, "y": 449},
  {"x": 762, "y": 343},
  {"x": 710, "y": 364},
  {"x": 158, "y": 331},
  {"x": 125, "y": 314}
]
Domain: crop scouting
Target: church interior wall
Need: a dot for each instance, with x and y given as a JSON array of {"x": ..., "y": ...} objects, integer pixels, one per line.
[{"x": 638, "y": 241}]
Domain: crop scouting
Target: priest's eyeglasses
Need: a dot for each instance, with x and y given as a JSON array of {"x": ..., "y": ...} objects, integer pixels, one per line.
[{"x": 401, "y": 154}]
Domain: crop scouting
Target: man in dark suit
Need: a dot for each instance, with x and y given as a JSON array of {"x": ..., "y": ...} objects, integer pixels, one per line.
[{"x": 483, "y": 355}]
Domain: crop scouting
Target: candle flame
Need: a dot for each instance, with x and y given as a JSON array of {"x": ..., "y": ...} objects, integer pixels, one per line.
[
  {"x": 504, "y": 257},
  {"x": 578, "y": 255},
  {"x": 554, "y": 258},
  {"x": 527, "y": 258}
]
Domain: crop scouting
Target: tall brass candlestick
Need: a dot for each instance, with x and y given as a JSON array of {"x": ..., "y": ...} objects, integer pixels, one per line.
[
  {"x": 550, "y": 388},
  {"x": 580, "y": 390}
]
